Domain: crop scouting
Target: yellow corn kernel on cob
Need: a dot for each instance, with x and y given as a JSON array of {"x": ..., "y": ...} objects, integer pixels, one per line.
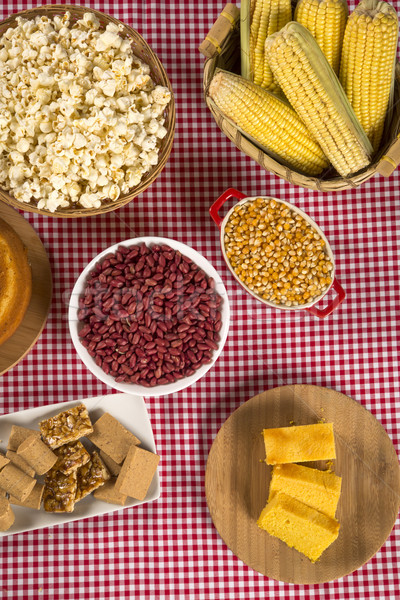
[
  {"x": 312, "y": 88},
  {"x": 268, "y": 120},
  {"x": 368, "y": 64},
  {"x": 260, "y": 18},
  {"x": 326, "y": 21}
]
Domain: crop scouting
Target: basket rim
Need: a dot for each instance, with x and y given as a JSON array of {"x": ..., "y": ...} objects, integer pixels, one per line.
[{"x": 165, "y": 150}]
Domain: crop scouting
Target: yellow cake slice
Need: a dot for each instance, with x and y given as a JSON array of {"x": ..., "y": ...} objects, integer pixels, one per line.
[
  {"x": 299, "y": 444},
  {"x": 318, "y": 489},
  {"x": 15, "y": 281},
  {"x": 298, "y": 525}
]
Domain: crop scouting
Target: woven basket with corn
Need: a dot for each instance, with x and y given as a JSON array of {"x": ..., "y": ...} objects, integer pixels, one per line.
[{"x": 313, "y": 96}]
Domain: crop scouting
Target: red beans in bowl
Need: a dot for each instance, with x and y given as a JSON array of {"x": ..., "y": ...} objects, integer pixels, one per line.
[{"x": 149, "y": 315}]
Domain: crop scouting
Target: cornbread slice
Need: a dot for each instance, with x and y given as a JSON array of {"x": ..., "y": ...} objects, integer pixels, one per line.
[
  {"x": 68, "y": 426},
  {"x": 299, "y": 444},
  {"x": 298, "y": 525},
  {"x": 318, "y": 489},
  {"x": 111, "y": 436}
]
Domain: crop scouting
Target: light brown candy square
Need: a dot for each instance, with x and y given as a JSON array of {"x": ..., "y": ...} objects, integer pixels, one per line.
[
  {"x": 59, "y": 491},
  {"x": 15, "y": 482},
  {"x": 111, "y": 436},
  {"x": 66, "y": 427},
  {"x": 3, "y": 461},
  {"x": 37, "y": 454},
  {"x": 108, "y": 493},
  {"x": 34, "y": 500},
  {"x": 19, "y": 462},
  {"x": 137, "y": 472},
  {"x": 113, "y": 467},
  {"x": 18, "y": 435},
  {"x": 71, "y": 457},
  {"x": 91, "y": 476},
  {"x": 6, "y": 514}
]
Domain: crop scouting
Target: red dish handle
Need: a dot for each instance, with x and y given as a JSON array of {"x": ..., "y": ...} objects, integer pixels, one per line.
[
  {"x": 341, "y": 295},
  {"x": 230, "y": 193}
]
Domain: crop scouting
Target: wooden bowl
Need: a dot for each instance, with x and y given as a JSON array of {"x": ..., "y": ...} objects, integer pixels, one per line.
[
  {"x": 237, "y": 482},
  {"x": 16, "y": 347},
  {"x": 157, "y": 72}
]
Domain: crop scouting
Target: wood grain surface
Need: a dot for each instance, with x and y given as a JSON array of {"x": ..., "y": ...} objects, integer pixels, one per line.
[
  {"x": 237, "y": 482},
  {"x": 19, "y": 344}
]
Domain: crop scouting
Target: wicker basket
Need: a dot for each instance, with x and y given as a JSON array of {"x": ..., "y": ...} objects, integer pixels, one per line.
[
  {"x": 143, "y": 51},
  {"x": 222, "y": 50}
]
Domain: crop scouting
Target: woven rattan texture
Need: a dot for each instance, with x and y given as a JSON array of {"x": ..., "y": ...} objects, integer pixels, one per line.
[{"x": 170, "y": 549}]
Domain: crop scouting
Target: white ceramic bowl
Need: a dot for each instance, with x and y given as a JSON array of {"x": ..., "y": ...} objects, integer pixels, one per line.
[
  {"x": 75, "y": 325},
  {"x": 221, "y": 222}
]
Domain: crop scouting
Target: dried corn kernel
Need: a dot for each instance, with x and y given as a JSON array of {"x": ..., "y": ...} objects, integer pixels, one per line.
[{"x": 281, "y": 257}]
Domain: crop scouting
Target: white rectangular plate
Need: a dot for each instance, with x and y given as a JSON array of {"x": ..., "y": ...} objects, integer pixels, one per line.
[{"x": 128, "y": 409}]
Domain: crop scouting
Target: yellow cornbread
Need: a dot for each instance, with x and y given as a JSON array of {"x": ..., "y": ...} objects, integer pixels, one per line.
[
  {"x": 298, "y": 525},
  {"x": 318, "y": 489},
  {"x": 299, "y": 444}
]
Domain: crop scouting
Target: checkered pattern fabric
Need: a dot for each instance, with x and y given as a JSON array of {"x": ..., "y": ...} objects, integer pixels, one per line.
[{"x": 170, "y": 548}]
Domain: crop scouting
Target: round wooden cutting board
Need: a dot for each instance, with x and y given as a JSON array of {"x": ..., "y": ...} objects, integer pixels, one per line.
[
  {"x": 237, "y": 482},
  {"x": 19, "y": 344}
]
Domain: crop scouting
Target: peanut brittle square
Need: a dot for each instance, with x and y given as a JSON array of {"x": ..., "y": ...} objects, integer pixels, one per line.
[
  {"x": 71, "y": 457},
  {"x": 59, "y": 491},
  {"x": 66, "y": 427},
  {"x": 91, "y": 476}
]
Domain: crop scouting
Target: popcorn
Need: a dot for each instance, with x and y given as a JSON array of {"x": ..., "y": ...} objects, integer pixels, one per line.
[{"x": 81, "y": 120}]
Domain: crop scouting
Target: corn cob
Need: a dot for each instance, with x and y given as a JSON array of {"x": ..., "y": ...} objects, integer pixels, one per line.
[
  {"x": 269, "y": 121},
  {"x": 326, "y": 21},
  {"x": 368, "y": 64},
  {"x": 260, "y": 18},
  {"x": 315, "y": 93}
]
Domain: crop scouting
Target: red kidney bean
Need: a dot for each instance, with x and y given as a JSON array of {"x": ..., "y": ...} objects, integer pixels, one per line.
[
  {"x": 85, "y": 330},
  {"x": 150, "y": 316}
]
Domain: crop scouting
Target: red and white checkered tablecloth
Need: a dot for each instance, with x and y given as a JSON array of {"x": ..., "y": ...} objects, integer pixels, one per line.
[{"x": 170, "y": 548}]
